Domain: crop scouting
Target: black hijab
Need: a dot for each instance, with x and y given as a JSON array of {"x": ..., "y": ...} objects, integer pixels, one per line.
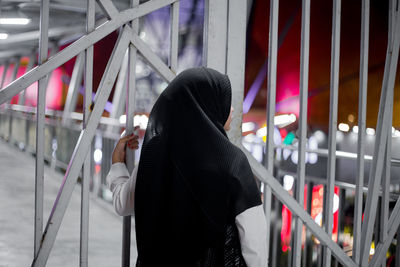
[{"x": 192, "y": 181}]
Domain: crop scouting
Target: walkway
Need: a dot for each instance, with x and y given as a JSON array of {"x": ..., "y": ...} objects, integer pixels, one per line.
[{"x": 17, "y": 179}]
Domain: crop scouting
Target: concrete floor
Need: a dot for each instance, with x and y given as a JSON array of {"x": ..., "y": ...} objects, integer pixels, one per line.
[{"x": 17, "y": 179}]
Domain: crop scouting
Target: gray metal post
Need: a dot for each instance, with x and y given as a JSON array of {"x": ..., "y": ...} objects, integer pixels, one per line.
[
  {"x": 334, "y": 90},
  {"x": 3, "y": 76},
  {"x": 87, "y": 99},
  {"x": 397, "y": 255},
  {"x": 301, "y": 164},
  {"x": 41, "y": 102},
  {"x": 174, "y": 36},
  {"x": 362, "y": 114},
  {"x": 271, "y": 86},
  {"x": 215, "y": 37},
  {"x": 235, "y": 63},
  {"x": 119, "y": 97},
  {"x": 17, "y": 63},
  {"x": 130, "y": 154},
  {"x": 73, "y": 88}
]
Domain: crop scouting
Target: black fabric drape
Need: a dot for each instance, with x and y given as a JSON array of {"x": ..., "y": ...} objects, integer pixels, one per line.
[{"x": 192, "y": 181}]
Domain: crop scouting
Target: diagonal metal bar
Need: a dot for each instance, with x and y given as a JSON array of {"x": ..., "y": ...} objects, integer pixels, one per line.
[
  {"x": 271, "y": 87},
  {"x": 73, "y": 88},
  {"x": 362, "y": 114},
  {"x": 262, "y": 173},
  {"x": 393, "y": 226},
  {"x": 384, "y": 125},
  {"x": 31, "y": 63},
  {"x": 384, "y": 203},
  {"x": 78, "y": 46},
  {"x": 333, "y": 110},
  {"x": 301, "y": 165},
  {"x": 108, "y": 8},
  {"x": 158, "y": 65},
  {"x": 81, "y": 149}
]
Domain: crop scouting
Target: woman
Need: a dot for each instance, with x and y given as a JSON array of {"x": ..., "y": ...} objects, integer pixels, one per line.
[{"x": 194, "y": 196}]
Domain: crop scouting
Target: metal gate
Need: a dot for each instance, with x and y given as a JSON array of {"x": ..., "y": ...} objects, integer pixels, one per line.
[{"x": 224, "y": 50}]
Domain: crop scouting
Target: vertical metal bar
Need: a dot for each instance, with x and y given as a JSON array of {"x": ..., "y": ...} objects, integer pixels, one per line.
[
  {"x": 73, "y": 88},
  {"x": 235, "y": 64},
  {"x": 384, "y": 125},
  {"x": 3, "y": 77},
  {"x": 13, "y": 77},
  {"x": 41, "y": 102},
  {"x": 174, "y": 34},
  {"x": 87, "y": 100},
  {"x": 271, "y": 85},
  {"x": 119, "y": 93},
  {"x": 362, "y": 114},
  {"x": 130, "y": 154},
  {"x": 15, "y": 69},
  {"x": 334, "y": 89},
  {"x": 301, "y": 165},
  {"x": 31, "y": 63},
  {"x": 275, "y": 233},
  {"x": 397, "y": 255},
  {"x": 309, "y": 243},
  {"x": 215, "y": 37}
]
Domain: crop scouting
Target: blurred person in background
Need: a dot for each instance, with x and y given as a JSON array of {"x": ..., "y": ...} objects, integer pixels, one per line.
[{"x": 193, "y": 194}]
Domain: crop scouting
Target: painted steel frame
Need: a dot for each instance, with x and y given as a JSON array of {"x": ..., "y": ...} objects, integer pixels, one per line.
[{"x": 301, "y": 165}]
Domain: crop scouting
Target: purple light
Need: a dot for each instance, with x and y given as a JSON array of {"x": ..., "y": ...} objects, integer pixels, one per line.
[
  {"x": 255, "y": 87},
  {"x": 108, "y": 106}
]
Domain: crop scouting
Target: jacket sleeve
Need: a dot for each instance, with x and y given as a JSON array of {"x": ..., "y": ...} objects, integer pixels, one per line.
[
  {"x": 122, "y": 187},
  {"x": 252, "y": 228}
]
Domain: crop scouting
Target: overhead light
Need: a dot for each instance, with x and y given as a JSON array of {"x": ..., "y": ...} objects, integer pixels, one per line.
[
  {"x": 355, "y": 129},
  {"x": 3, "y": 36},
  {"x": 396, "y": 133},
  {"x": 14, "y": 21},
  {"x": 344, "y": 127}
]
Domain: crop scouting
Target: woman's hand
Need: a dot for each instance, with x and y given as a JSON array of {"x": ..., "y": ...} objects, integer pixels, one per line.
[{"x": 119, "y": 151}]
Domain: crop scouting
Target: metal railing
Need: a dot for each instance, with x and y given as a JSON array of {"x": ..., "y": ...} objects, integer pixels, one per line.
[{"x": 225, "y": 52}]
